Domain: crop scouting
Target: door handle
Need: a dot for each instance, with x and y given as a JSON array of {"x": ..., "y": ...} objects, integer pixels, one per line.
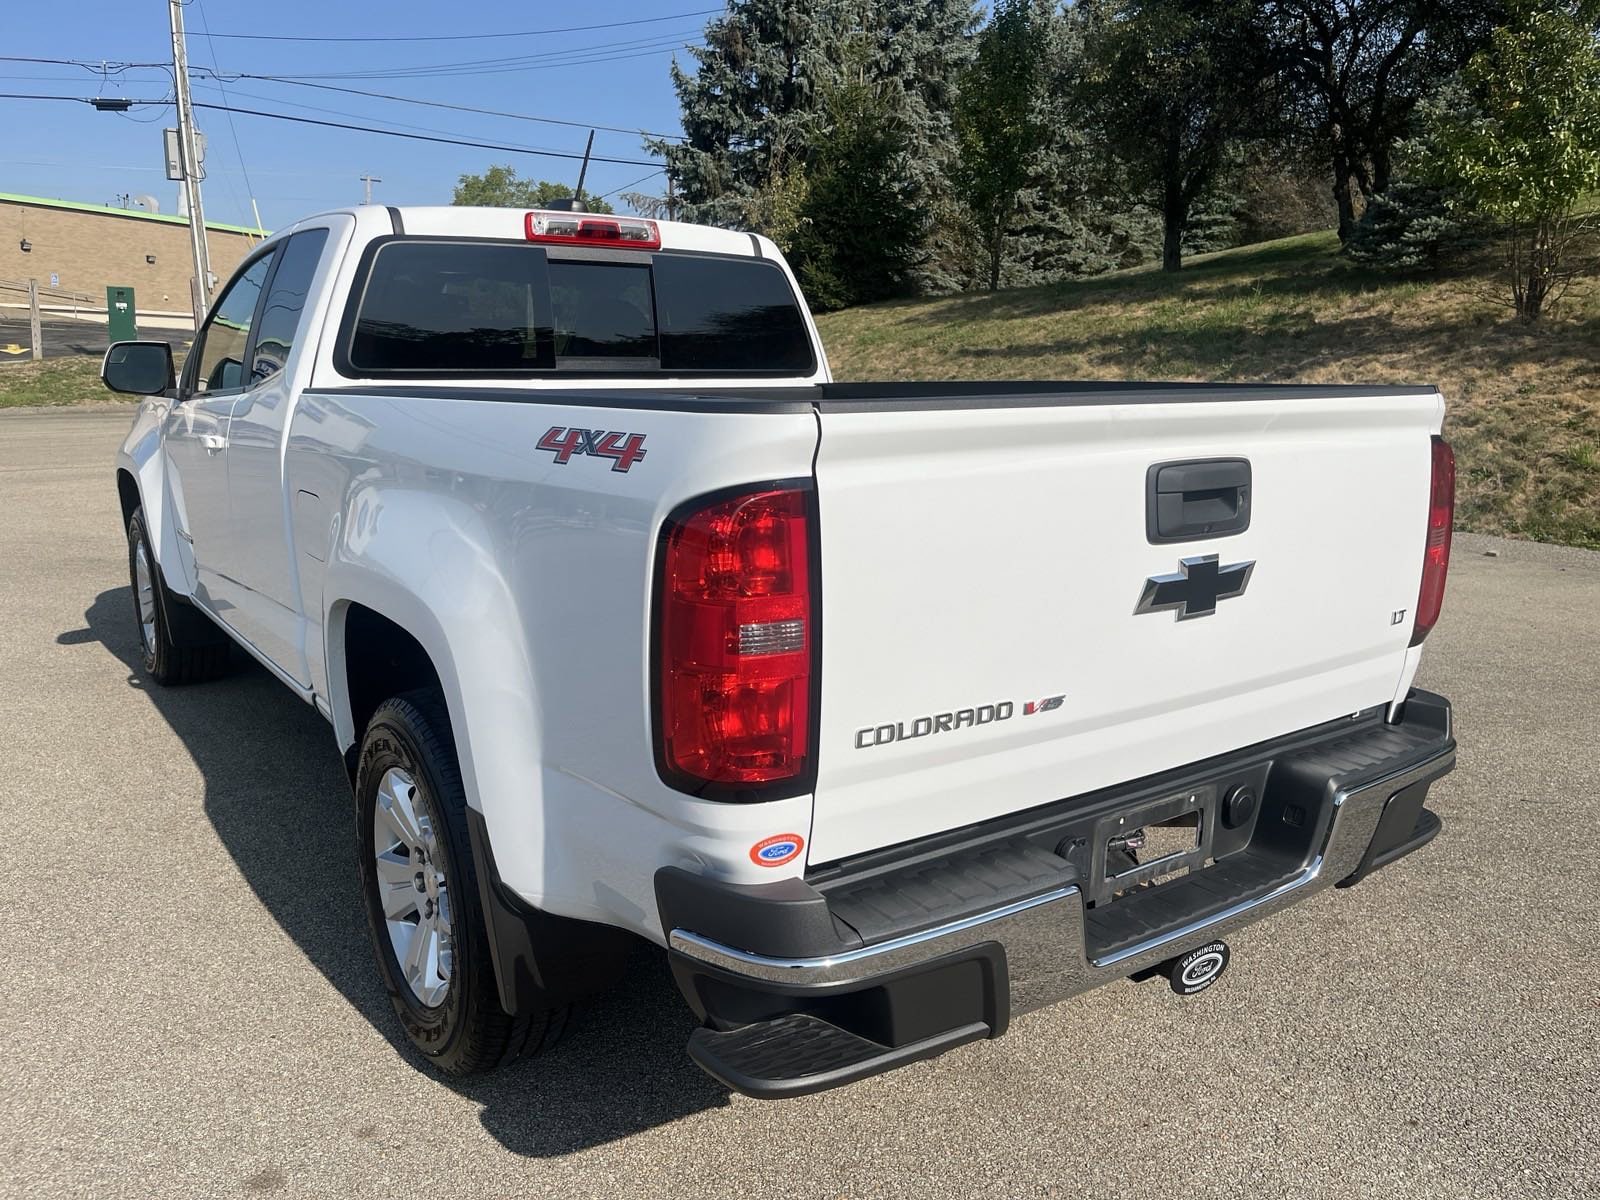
[
  {"x": 213, "y": 442},
  {"x": 1198, "y": 499}
]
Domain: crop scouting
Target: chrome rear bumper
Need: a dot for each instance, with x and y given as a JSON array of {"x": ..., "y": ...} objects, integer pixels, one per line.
[
  {"x": 1043, "y": 936},
  {"x": 867, "y": 965}
]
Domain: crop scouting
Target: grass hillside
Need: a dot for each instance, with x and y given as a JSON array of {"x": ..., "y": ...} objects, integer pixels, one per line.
[{"x": 1524, "y": 401}]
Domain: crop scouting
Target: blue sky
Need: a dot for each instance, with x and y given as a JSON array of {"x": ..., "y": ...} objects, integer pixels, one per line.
[{"x": 614, "y": 76}]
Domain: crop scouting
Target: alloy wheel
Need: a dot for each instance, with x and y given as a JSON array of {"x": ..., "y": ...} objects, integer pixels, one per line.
[
  {"x": 144, "y": 593},
  {"x": 412, "y": 889}
]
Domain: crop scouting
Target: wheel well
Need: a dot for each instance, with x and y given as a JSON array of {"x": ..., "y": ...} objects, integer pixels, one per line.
[
  {"x": 128, "y": 492},
  {"x": 380, "y": 660}
]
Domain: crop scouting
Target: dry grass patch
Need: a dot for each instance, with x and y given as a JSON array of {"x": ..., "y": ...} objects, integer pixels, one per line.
[{"x": 1524, "y": 400}]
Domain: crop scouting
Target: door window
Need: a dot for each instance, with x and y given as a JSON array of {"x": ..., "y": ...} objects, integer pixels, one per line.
[
  {"x": 219, "y": 352},
  {"x": 286, "y": 300}
]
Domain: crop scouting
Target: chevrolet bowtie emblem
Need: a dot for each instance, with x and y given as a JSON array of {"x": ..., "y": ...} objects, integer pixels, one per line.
[{"x": 1196, "y": 587}]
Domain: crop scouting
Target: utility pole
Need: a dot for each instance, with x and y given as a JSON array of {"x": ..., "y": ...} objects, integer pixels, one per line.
[
  {"x": 577, "y": 199},
  {"x": 369, "y": 180},
  {"x": 200, "y": 291}
]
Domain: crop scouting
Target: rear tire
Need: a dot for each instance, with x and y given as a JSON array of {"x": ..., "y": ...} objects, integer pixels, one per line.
[
  {"x": 177, "y": 643},
  {"x": 420, "y": 885}
]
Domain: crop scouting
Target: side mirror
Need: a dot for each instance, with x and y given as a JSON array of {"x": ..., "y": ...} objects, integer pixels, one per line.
[{"x": 138, "y": 368}]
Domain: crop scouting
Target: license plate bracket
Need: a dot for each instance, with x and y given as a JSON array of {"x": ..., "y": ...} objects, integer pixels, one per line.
[{"x": 1192, "y": 810}]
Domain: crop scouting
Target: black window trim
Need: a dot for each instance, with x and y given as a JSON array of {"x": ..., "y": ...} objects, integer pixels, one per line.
[
  {"x": 345, "y": 338},
  {"x": 191, "y": 367}
]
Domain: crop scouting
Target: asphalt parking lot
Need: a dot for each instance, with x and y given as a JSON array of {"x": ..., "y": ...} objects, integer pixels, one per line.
[
  {"x": 191, "y": 1007},
  {"x": 68, "y": 339},
  {"x": 60, "y": 339}
]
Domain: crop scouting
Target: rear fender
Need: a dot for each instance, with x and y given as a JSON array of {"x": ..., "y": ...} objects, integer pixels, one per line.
[{"x": 426, "y": 563}]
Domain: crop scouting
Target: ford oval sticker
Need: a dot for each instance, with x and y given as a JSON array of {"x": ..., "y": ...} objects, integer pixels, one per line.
[{"x": 777, "y": 849}]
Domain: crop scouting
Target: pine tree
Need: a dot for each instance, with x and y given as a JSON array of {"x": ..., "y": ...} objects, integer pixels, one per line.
[
  {"x": 1413, "y": 227},
  {"x": 1079, "y": 215},
  {"x": 922, "y": 47},
  {"x": 857, "y": 235},
  {"x": 750, "y": 109},
  {"x": 1213, "y": 220},
  {"x": 756, "y": 115}
]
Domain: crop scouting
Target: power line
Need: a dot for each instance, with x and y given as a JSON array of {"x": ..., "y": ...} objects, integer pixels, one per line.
[
  {"x": 595, "y": 52},
  {"x": 74, "y": 99},
  {"x": 467, "y": 37},
  {"x": 109, "y": 65},
  {"x": 487, "y": 112},
  {"x": 153, "y": 119},
  {"x": 614, "y": 52},
  {"x": 626, "y": 186},
  {"x": 10, "y": 78},
  {"x": 416, "y": 137},
  {"x": 308, "y": 82},
  {"x": 334, "y": 112},
  {"x": 232, "y": 130},
  {"x": 602, "y": 52}
]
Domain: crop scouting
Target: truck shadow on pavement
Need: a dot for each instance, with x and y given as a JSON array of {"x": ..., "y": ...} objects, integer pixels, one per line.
[{"x": 276, "y": 793}]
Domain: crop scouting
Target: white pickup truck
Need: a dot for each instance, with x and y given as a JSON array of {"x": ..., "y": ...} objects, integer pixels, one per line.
[{"x": 889, "y": 710}]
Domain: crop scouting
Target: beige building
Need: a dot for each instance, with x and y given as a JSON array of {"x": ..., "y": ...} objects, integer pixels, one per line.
[{"x": 85, "y": 248}]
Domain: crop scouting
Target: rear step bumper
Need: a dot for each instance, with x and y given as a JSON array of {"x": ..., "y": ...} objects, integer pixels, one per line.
[{"x": 866, "y": 966}]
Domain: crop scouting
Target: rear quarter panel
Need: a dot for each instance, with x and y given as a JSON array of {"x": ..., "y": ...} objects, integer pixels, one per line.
[{"x": 529, "y": 583}]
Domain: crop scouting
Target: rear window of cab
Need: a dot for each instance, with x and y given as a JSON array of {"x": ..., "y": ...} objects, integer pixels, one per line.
[{"x": 430, "y": 307}]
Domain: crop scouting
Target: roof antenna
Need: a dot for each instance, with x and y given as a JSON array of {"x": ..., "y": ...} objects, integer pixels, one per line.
[
  {"x": 574, "y": 202},
  {"x": 583, "y": 171}
]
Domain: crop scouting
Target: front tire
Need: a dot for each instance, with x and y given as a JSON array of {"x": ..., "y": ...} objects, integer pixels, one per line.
[
  {"x": 420, "y": 885},
  {"x": 176, "y": 644}
]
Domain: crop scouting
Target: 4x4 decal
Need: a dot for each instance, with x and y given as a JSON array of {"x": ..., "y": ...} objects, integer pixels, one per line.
[{"x": 624, "y": 448}]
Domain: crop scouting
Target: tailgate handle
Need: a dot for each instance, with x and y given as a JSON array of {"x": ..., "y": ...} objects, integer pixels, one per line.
[{"x": 1198, "y": 499}]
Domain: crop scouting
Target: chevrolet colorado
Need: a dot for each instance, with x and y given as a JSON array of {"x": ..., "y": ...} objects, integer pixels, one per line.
[{"x": 889, "y": 710}]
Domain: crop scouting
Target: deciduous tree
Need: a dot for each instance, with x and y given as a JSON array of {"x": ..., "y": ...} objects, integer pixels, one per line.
[
  {"x": 1173, "y": 83},
  {"x": 999, "y": 132},
  {"x": 1354, "y": 71},
  {"x": 1526, "y": 150},
  {"x": 499, "y": 187}
]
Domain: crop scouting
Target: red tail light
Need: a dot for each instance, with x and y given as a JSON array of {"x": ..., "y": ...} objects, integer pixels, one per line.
[
  {"x": 1436, "y": 555},
  {"x": 628, "y": 233},
  {"x": 735, "y": 637}
]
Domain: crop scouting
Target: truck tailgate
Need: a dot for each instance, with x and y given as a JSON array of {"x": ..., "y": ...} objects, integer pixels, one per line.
[{"x": 978, "y": 562}]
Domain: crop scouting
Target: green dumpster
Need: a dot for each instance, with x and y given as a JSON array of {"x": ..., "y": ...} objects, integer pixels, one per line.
[{"x": 120, "y": 326}]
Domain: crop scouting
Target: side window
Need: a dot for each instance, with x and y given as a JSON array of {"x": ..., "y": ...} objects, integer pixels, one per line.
[
  {"x": 452, "y": 307},
  {"x": 721, "y": 314},
  {"x": 286, "y": 299},
  {"x": 220, "y": 349}
]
